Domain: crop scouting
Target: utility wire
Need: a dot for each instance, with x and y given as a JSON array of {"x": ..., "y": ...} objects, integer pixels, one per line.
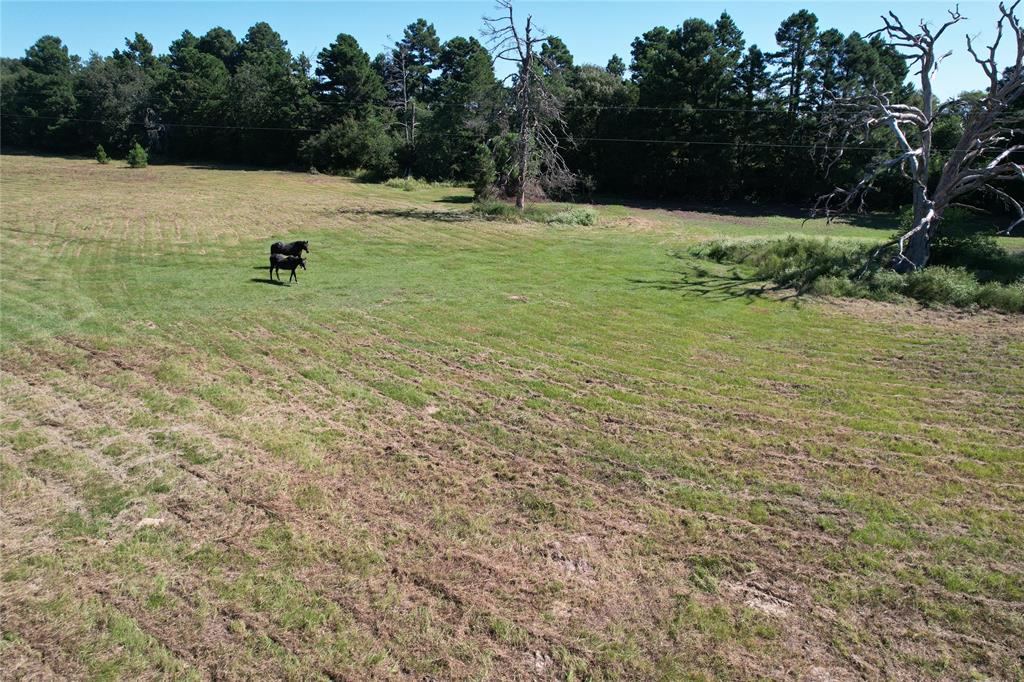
[
  {"x": 165, "y": 125},
  {"x": 621, "y": 140}
]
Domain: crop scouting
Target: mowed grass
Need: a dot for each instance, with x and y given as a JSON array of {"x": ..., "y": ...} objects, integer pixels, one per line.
[{"x": 468, "y": 449}]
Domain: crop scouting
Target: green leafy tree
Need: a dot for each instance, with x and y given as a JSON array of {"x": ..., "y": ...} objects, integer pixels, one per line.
[
  {"x": 348, "y": 84},
  {"x": 353, "y": 144},
  {"x": 421, "y": 48},
  {"x": 463, "y": 115},
  {"x": 222, "y": 44},
  {"x": 797, "y": 37},
  {"x": 101, "y": 155},
  {"x": 39, "y": 100},
  {"x": 195, "y": 95},
  {"x": 484, "y": 175},
  {"x": 117, "y": 94},
  {"x": 273, "y": 99},
  {"x": 616, "y": 66}
]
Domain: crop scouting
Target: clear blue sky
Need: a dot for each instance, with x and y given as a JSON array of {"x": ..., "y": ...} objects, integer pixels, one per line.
[{"x": 592, "y": 30}]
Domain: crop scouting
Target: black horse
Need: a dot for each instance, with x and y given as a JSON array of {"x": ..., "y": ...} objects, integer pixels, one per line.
[
  {"x": 290, "y": 248},
  {"x": 278, "y": 261}
]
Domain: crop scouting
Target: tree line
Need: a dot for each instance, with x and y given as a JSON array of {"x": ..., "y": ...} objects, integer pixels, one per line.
[{"x": 698, "y": 114}]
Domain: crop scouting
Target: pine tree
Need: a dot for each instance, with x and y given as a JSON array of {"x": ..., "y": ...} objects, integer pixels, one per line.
[
  {"x": 137, "y": 157},
  {"x": 484, "y": 173},
  {"x": 101, "y": 154}
]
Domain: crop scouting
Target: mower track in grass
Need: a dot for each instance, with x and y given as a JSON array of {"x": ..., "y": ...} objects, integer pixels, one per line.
[{"x": 465, "y": 449}]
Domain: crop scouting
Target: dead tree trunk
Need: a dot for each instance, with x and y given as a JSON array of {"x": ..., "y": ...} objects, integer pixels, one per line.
[
  {"x": 982, "y": 159},
  {"x": 536, "y": 111}
]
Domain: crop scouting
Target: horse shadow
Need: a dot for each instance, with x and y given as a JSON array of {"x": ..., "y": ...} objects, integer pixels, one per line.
[{"x": 267, "y": 280}]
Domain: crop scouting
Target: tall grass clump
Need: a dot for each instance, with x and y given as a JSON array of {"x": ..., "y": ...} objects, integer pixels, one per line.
[
  {"x": 537, "y": 213},
  {"x": 577, "y": 215},
  {"x": 497, "y": 209},
  {"x": 410, "y": 184},
  {"x": 836, "y": 268}
]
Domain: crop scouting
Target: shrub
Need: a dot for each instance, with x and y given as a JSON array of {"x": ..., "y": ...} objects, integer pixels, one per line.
[
  {"x": 826, "y": 267},
  {"x": 574, "y": 216},
  {"x": 137, "y": 157},
  {"x": 409, "y": 184},
  {"x": 940, "y": 284},
  {"x": 793, "y": 261},
  {"x": 101, "y": 154},
  {"x": 963, "y": 240},
  {"x": 538, "y": 213},
  {"x": 1006, "y": 297},
  {"x": 497, "y": 209},
  {"x": 351, "y": 144}
]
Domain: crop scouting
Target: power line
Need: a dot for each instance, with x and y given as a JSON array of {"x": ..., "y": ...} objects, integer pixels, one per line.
[
  {"x": 626, "y": 107},
  {"x": 740, "y": 143},
  {"x": 165, "y": 125},
  {"x": 621, "y": 140}
]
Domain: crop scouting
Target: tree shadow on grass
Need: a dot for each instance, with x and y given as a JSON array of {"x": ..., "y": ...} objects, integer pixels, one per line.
[
  {"x": 264, "y": 280},
  {"x": 879, "y": 220},
  {"x": 698, "y": 282},
  {"x": 406, "y": 214},
  {"x": 455, "y": 199}
]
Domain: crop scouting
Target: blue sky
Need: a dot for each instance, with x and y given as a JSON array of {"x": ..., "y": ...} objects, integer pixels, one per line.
[{"x": 592, "y": 30}]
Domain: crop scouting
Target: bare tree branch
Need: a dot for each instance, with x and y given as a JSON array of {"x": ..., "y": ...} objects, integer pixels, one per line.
[
  {"x": 984, "y": 154},
  {"x": 541, "y": 130}
]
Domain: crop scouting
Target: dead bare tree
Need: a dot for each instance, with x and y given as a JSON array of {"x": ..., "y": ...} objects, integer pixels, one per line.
[
  {"x": 536, "y": 111},
  {"x": 985, "y": 156},
  {"x": 399, "y": 98}
]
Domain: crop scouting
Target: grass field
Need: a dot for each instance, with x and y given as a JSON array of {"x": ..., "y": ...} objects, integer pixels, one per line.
[{"x": 466, "y": 449}]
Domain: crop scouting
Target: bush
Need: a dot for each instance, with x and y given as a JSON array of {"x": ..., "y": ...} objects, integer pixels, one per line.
[
  {"x": 497, "y": 209},
  {"x": 939, "y": 284},
  {"x": 410, "y": 184},
  {"x": 352, "y": 144},
  {"x": 1006, "y": 297},
  {"x": 137, "y": 157},
  {"x": 829, "y": 268},
  {"x": 537, "y": 213},
  {"x": 101, "y": 154},
  {"x": 792, "y": 262},
  {"x": 964, "y": 240},
  {"x": 574, "y": 216}
]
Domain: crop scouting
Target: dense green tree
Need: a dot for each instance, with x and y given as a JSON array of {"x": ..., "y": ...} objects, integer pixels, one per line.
[
  {"x": 39, "y": 96},
  {"x": 598, "y": 109},
  {"x": 118, "y": 95},
  {"x": 726, "y": 55},
  {"x": 137, "y": 156},
  {"x": 797, "y": 37},
  {"x": 348, "y": 84},
  {"x": 272, "y": 98},
  {"x": 483, "y": 173},
  {"x": 616, "y": 66},
  {"x": 827, "y": 62},
  {"x": 194, "y": 98},
  {"x": 724, "y": 121},
  {"x": 555, "y": 56},
  {"x": 353, "y": 144},
  {"x": 422, "y": 47},
  {"x": 222, "y": 44},
  {"x": 753, "y": 79},
  {"x": 466, "y": 99}
]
